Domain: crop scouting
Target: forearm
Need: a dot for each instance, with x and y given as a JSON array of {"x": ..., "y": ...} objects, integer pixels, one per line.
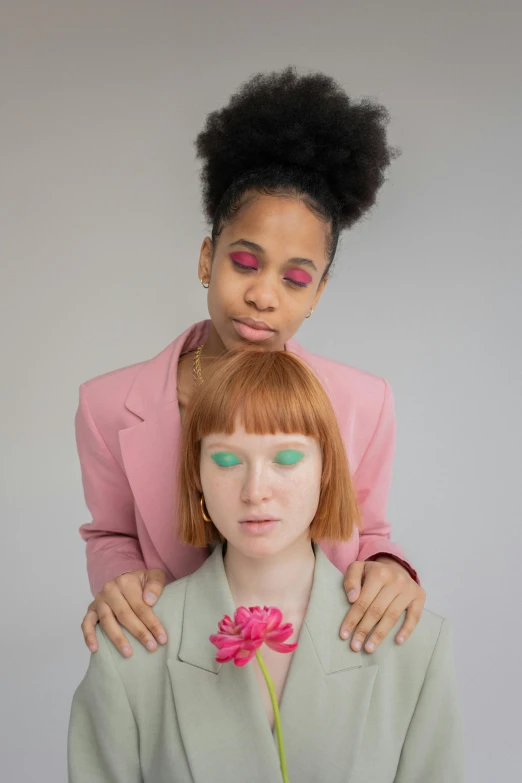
[
  {"x": 112, "y": 541},
  {"x": 109, "y": 556}
]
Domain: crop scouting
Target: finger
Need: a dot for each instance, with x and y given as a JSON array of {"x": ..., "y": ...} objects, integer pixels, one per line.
[
  {"x": 89, "y": 624},
  {"x": 132, "y": 593},
  {"x": 113, "y": 630},
  {"x": 118, "y": 607},
  {"x": 353, "y": 580},
  {"x": 375, "y": 609},
  {"x": 369, "y": 592},
  {"x": 154, "y": 584},
  {"x": 389, "y": 620},
  {"x": 413, "y": 615}
]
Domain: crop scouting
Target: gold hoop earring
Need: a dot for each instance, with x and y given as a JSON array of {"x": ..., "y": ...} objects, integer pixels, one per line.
[
  {"x": 203, "y": 284},
  {"x": 203, "y": 509},
  {"x": 310, "y": 313}
]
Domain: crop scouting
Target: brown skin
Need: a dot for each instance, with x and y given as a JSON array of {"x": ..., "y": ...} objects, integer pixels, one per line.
[{"x": 285, "y": 228}]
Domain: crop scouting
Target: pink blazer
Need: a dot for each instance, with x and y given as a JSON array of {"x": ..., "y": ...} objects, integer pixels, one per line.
[{"x": 128, "y": 432}]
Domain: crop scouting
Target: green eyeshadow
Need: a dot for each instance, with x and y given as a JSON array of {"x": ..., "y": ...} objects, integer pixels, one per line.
[
  {"x": 226, "y": 459},
  {"x": 288, "y": 457}
]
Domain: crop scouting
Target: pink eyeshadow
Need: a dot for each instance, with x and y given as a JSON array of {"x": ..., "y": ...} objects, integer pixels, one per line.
[
  {"x": 245, "y": 259},
  {"x": 299, "y": 276}
]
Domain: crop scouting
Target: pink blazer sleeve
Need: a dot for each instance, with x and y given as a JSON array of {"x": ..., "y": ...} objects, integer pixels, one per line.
[
  {"x": 112, "y": 540},
  {"x": 372, "y": 482}
]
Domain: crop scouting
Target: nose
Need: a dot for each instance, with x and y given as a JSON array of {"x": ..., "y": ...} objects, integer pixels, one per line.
[
  {"x": 256, "y": 486},
  {"x": 262, "y": 293}
]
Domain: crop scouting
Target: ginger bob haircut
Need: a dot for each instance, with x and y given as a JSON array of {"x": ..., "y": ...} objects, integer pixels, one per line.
[{"x": 270, "y": 392}]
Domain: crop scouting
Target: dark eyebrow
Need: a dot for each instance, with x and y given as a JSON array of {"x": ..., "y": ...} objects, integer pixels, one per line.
[{"x": 258, "y": 249}]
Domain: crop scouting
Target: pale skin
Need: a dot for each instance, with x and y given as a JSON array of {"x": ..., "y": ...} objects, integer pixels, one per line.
[
  {"x": 247, "y": 475},
  {"x": 269, "y": 264}
]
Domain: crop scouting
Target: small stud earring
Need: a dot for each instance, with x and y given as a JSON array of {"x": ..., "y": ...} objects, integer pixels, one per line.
[
  {"x": 203, "y": 284},
  {"x": 203, "y": 509}
]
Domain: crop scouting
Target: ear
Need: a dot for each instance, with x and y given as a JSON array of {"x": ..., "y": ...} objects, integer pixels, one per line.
[{"x": 205, "y": 260}]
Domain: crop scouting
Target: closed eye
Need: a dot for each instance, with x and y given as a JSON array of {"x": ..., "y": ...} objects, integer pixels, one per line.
[
  {"x": 288, "y": 457},
  {"x": 244, "y": 266},
  {"x": 294, "y": 282},
  {"x": 226, "y": 459},
  {"x": 299, "y": 277},
  {"x": 244, "y": 261},
  {"x": 247, "y": 268}
]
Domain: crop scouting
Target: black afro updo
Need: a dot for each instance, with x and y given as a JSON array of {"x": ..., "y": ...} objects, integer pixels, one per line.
[{"x": 302, "y": 135}]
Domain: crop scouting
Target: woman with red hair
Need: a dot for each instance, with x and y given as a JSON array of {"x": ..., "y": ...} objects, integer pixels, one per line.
[{"x": 263, "y": 476}]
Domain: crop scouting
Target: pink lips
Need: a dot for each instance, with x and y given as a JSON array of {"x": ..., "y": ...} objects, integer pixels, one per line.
[
  {"x": 258, "y": 527},
  {"x": 251, "y": 330}
]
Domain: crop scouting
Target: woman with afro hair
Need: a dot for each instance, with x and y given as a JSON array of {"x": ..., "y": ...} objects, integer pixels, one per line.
[{"x": 288, "y": 163}]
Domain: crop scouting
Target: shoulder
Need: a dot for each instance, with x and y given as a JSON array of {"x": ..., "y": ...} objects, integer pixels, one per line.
[
  {"x": 120, "y": 381},
  {"x": 116, "y": 383},
  {"x": 412, "y": 656},
  {"x": 169, "y": 607},
  {"x": 409, "y": 662},
  {"x": 169, "y": 610},
  {"x": 113, "y": 397},
  {"x": 352, "y": 391}
]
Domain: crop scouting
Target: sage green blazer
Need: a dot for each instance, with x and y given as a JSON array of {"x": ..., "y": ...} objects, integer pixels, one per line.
[{"x": 176, "y": 716}]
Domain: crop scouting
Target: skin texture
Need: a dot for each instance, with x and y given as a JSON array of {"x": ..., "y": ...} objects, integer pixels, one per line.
[
  {"x": 248, "y": 479},
  {"x": 285, "y": 228},
  {"x": 266, "y": 290}
]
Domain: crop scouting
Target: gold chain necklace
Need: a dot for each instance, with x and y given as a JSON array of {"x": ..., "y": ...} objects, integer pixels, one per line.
[{"x": 196, "y": 365}]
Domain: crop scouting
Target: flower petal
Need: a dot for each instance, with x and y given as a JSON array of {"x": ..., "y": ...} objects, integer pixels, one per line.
[
  {"x": 280, "y": 635},
  {"x": 282, "y": 648},
  {"x": 274, "y": 618},
  {"x": 243, "y": 657}
]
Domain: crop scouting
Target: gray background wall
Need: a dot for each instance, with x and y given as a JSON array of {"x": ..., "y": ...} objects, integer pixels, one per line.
[{"x": 100, "y": 233}]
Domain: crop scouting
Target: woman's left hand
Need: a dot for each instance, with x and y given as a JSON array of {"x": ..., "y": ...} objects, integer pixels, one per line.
[{"x": 379, "y": 591}]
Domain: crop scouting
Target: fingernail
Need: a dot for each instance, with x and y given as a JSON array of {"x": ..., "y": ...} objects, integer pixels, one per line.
[
  {"x": 126, "y": 650},
  {"x": 370, "y": 647},
  {"x": 151, "y": 645},
  {"x": 151, "y": 598},
  {"x": 356, "y": 645},
  {"x": 345, "y": 634},
  {"x": 352, "y": 595},
  {"x": 162, "y": 638},
  {"x": 400, "y": 639},
  {"x": 93, "y": 647}
]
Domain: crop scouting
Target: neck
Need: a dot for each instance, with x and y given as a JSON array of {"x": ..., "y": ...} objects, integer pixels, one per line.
[
  {"x": 283, "y": 580},
  {"x": 214, "y": 345}
]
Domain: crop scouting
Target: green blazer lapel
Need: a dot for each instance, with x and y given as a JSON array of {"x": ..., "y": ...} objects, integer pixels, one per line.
[
  {"x": 329, "y": 687},
  {"x": 221, "y": 719}
]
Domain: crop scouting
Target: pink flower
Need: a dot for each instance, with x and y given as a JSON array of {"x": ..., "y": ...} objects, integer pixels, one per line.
[{"x": 238, "y": 639}]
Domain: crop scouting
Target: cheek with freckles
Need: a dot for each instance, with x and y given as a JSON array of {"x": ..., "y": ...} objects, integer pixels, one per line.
[
  {"x": 298, "y": 497},
  {"x": 222, "y": 491}
]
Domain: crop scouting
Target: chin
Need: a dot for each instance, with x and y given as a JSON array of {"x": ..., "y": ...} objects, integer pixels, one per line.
[{"x": 257, "y": 549}]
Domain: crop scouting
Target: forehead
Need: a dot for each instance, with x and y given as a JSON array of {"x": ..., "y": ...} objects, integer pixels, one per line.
[{"x": 284, "y": 226}]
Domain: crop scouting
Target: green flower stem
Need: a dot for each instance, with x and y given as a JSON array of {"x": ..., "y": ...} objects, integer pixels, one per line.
[{"x": 277, "y": 717}]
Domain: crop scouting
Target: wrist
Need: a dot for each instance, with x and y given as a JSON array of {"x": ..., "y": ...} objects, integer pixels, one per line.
[{"x": 384, "y": 559}]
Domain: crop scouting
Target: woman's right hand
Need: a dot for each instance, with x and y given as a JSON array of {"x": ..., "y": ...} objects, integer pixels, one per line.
[{"x": 126, "y": 601}]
